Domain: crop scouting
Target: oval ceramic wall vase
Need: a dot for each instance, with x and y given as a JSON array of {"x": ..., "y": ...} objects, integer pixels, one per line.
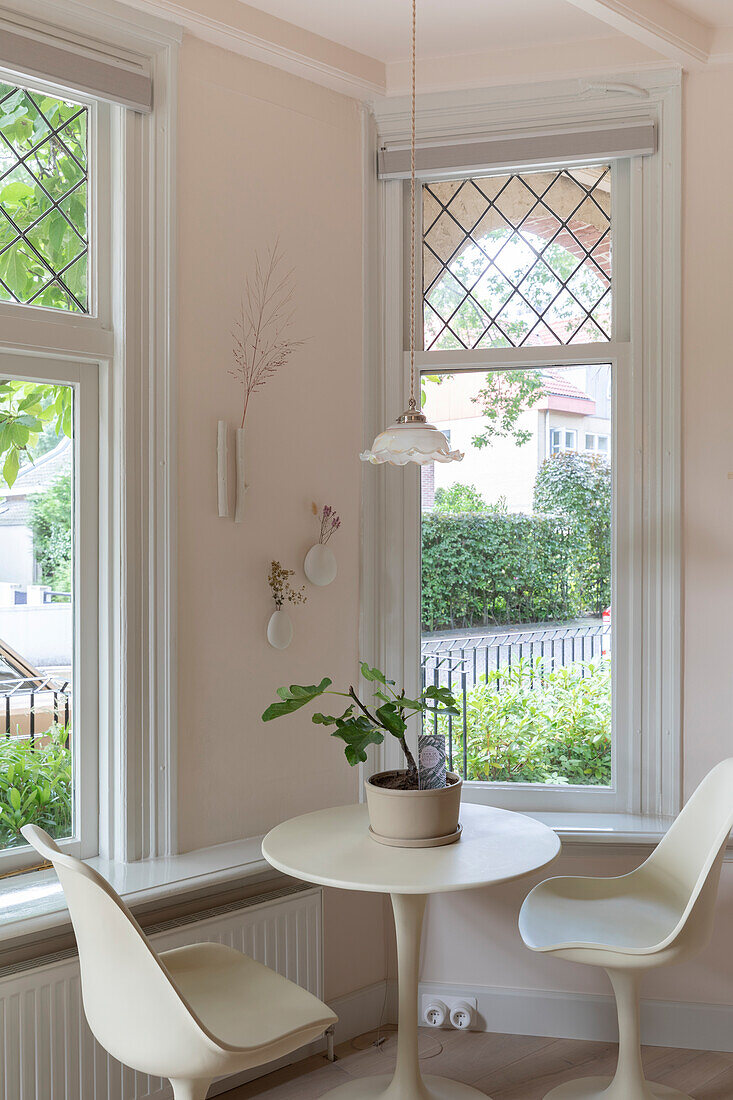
[
  {"x": 320, "y": 565},
  {"x": 280, "y": 630}
]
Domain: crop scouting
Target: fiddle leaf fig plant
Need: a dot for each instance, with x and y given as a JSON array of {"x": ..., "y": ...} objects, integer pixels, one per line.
[{"x": 362, "y": 724}]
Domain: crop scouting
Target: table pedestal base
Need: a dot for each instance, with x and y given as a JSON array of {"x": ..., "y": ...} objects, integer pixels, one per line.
[
  {"x": 596, "y": 1088},
  {"x": 391, "y": 1088}
]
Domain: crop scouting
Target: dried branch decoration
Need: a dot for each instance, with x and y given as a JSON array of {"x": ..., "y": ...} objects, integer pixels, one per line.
[
  {"x": 261, "y": 343},
  {"x": 281, "y": 588}
]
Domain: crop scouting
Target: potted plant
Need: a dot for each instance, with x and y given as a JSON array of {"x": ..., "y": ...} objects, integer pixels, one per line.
[{"x": 400, "y": 813}]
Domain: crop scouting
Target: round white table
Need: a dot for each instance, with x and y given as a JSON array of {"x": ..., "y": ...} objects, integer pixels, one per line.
[{"x": 333, "y": 848}]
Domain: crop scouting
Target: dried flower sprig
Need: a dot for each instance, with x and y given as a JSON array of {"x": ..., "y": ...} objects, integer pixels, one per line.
[
  {"x": 261, "y": 344},
  {"x": 329, "y": 519},
  {"x": 281, "y": 588}
]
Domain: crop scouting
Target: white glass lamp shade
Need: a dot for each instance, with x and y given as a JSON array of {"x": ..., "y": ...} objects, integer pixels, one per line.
[{"x": 418, "y": 442}]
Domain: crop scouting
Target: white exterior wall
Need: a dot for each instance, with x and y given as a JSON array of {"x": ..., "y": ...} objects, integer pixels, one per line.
[
  {"x": 16, "y": 555},
  {"x": 43, "y": 635}
]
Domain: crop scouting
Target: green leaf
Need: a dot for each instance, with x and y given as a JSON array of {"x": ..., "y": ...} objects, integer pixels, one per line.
[
  {"x": 294, "y": 697},
  {"x": 373, "y": 674},
  {"x": 11, "y": 466},
  {"x": 14, "y": 798},
  {"x": 358, "y": 734},
  {"x": 390, "y": 717}
]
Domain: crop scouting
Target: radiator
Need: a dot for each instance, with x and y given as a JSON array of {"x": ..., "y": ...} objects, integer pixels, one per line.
[{"x": 46, "y": 1049}]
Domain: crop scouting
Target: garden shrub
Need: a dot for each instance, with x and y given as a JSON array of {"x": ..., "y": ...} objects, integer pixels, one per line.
[
  {"x": 494, "y": 567},
  {"x": 35, "y": 786},
  {"x": 532, "y": 723}
]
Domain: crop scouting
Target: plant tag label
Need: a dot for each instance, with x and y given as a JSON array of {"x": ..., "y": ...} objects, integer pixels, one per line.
[{"x": 431, "y": 761}]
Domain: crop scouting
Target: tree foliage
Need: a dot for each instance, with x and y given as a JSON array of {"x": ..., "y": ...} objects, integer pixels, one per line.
[
  {"x": 459, "y": 498},
  {"x": 51, "y": 526},
  {"x": 43, "y": 193},
  {"x": 578, "y": 488},
  {"x": 504, "y": 396},
  {"x": 27, "y": 411}
]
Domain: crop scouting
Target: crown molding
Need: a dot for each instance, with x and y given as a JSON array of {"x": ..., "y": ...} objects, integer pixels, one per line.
[
  {"x": 670, "y": 31},
  {"x": 254, "y": 34}
]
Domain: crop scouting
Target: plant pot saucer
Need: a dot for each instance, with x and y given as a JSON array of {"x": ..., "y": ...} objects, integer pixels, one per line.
[{"x": 421, "y": 842}]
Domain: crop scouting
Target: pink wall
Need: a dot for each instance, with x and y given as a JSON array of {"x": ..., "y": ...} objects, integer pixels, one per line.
[{"x": 262, "y": 155}]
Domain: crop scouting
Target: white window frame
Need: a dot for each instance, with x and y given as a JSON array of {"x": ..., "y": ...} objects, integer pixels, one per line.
[
  {"x": 129, "y": 341},
  {"x": 645, "y": 359}
]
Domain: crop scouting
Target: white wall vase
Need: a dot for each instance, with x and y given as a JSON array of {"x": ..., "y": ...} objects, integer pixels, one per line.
[
  {"x": 280, "y": 630},
  {"x": 320, "y": 565}
]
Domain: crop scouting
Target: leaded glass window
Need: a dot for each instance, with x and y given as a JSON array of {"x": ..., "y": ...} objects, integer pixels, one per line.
[
  {"x": 43, "y": 200},
  {"x": 518, "y": 260}
]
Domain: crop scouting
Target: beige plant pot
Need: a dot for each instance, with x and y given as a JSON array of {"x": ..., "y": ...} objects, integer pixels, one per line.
[{"x": 414, "y": 819}]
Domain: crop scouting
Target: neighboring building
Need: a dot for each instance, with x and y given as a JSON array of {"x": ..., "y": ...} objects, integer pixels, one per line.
[
  {"x": 17, "y": 560},
  {"x": 573, "y": 414}
]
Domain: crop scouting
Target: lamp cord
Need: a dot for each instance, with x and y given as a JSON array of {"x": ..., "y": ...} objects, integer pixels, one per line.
[{"x": 413, "y": 399}]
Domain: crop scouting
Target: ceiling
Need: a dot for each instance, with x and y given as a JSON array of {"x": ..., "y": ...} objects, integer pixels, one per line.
[{"x": 381, "y": 28}]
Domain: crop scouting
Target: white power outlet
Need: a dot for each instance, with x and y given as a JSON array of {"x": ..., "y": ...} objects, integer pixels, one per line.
[{"x": 438, "y": 1010}]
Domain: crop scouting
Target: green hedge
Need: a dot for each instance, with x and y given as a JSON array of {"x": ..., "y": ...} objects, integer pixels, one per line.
[
  {"x": 35, "y": 786},
  {"x": 534, "y": 724},
  {"x": 494, "y": 568}
]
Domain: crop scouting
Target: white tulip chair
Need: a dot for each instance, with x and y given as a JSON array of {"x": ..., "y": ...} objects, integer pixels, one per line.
[
  {"x": 659, "y": 914},
  {"x": 191, "y": 1014}
]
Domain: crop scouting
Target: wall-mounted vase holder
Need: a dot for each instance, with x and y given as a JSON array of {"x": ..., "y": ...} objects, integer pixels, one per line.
[
  {"x": 320, "y": 566},
  {"x": 280, "y": 629}
]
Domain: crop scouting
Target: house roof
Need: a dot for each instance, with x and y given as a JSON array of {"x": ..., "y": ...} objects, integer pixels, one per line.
[
  {"x": 555, "y": 385},
  {"x": 35, "y": 477},
  {"x": 564, "y": 396},
  {"x": 39, "y": 474}
]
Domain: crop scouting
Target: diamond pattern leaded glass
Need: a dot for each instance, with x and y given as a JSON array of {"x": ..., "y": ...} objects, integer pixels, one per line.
[
  {"x": 43, "y": 200},
  {"x": 518, "y": 260}
]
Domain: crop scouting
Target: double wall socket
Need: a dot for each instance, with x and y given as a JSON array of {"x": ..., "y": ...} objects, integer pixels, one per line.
[{"x": 457, "y": 1011}]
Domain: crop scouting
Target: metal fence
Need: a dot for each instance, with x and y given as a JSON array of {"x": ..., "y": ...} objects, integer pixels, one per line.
[
  {"x": 30, "y": 705},
  {"x": 460, "y": 662}
]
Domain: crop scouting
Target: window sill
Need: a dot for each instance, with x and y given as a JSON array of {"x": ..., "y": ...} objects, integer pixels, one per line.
[
  {"x": 613, "y": 830},
  {"x": 34, "y": 903}
]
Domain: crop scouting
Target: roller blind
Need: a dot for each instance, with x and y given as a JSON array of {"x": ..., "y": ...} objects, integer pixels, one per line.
[
  {"x": 468, "y": 156},
  {"x": 94, "y": 70}
]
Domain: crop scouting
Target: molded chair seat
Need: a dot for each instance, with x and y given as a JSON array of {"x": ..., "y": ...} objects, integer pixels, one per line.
[
  {"x": 661, "y": 913},
  {"x": 246, "y": 1007},
  {"x": 631, "y": 916},
  {"x": 191, "y": 1014}
]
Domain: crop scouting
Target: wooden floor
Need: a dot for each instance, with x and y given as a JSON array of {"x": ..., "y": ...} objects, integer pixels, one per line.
[{"x": 505, "y": 1067}]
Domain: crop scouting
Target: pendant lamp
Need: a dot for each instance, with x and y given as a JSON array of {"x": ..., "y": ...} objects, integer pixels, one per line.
[{"x": 411, "y": 438}]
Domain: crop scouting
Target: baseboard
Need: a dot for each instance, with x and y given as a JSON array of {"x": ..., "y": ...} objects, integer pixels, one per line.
[
  {"x": 679, "y": 1024},
  {"x": 363, "y": 1010}
]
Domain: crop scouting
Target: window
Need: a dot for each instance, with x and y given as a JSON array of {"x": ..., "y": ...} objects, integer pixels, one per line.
[
  {"x": 85, "y": 511},
  {"x": 43, "y": 200},
  {"x": 596, "y": 443},
  {"x": 516, "y": 577},
  {"x": 524, "y": 289},
  {"x": 513, "y": 593},
  {"x": 518, "y": 260},
  {"x": 560, "y": 440}
]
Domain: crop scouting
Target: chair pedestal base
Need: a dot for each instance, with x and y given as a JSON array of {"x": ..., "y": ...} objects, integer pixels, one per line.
[{"x": 598, "y": 1088}]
